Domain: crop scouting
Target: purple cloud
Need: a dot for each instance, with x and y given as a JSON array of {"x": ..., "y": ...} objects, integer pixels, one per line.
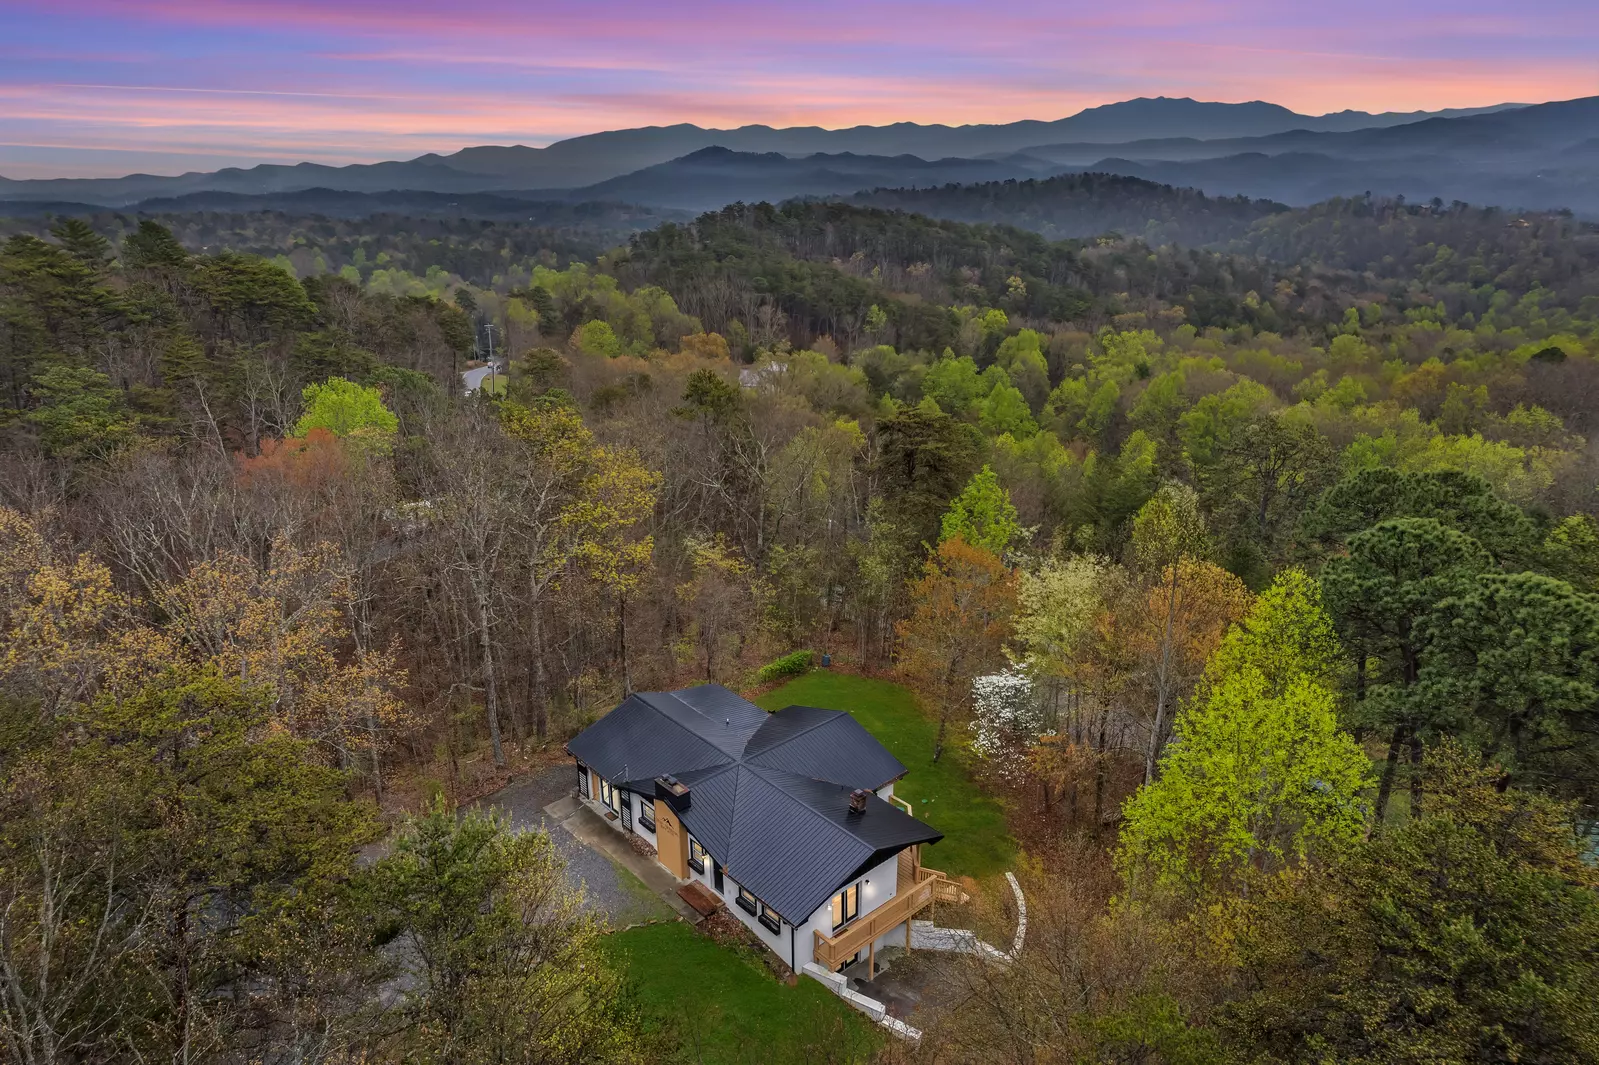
[{"x": 96, "y": 86}]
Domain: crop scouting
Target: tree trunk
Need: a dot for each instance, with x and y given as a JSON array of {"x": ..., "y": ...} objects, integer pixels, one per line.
[
  {"x": 1415, "y": 774},
  {"x": 491, "y": 692},
  {"x": 1387, "y": 786},
  {"x": 180, "y": 978},
  {"x": 1099, "y": 774},
  {"x": 1162, "y": 681},
  {"x": 541, "y": 704},
  {"x": 621, "y": 645}
]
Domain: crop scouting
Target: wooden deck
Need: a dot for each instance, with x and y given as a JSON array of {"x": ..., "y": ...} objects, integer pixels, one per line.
[{"x": 919, "y": 888}]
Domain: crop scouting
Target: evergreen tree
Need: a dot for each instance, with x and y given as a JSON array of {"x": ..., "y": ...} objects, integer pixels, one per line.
[{"x": 1466, "y": 935}]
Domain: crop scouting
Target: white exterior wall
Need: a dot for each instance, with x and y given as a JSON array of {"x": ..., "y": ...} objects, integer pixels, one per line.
[
  {"x": 777, "y": 941},
  {"x": 639, "y": 803},
  {"x": 884, "y": 885},
  {"x": 600, "y": 808}
]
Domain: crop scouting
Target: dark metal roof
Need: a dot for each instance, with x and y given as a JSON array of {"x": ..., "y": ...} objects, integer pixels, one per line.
[
  {"x": 825, "y": 744},
  {"x": 712, "y": 713},
  {"x": 768, "y": 793},
  {"x": 638, "y": 742}
]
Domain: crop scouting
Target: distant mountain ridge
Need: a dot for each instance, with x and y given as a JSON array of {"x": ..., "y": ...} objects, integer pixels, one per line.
[
  {"x": 1085, "y": 205},
  {"x": 712, "y": 177},
  {"x": 595, "y": 158}
]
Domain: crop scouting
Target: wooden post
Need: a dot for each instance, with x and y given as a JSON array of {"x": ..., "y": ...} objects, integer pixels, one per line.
[{"x": 871, "y": 960}]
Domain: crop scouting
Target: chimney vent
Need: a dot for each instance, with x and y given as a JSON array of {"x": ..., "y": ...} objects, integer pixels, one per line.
[
  {"x": 857, "y": 801},
  {"x": 673, "y": 790}
]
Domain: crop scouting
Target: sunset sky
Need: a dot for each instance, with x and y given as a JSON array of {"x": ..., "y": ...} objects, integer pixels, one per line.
[{"x": 97, "y": 87}]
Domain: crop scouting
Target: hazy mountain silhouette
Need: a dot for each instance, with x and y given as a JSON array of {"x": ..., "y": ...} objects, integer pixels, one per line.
[
  {"x": 711, "y": 177},
  {"x": 589, "y": 160}
]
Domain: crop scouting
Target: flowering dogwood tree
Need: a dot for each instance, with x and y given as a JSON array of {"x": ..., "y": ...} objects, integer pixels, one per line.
[{"x": 1007, "y": 719}]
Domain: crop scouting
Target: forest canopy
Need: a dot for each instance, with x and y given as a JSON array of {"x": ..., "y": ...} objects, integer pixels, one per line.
[{"x": 1251, "y": 564}]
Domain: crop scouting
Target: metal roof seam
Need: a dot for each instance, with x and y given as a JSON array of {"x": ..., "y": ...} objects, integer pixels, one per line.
[
  {"x": 792, "y": 736},
  {"x": 682, "y": 727},
  {"x": 801, "y": 803}
]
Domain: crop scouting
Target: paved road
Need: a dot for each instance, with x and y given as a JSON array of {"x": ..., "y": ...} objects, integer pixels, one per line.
[
  {"x": 472, "y": 380},
  {"x": 613, "y": 892}
]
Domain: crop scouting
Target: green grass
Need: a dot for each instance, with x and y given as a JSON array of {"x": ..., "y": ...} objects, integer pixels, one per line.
[
  {"x": 645, "y": 905},
  {"x": 723, "y": 1006},
  {"x": 975, "y": 841}
]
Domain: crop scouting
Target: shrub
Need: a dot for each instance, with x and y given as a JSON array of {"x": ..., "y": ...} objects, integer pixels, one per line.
[{"x": 790, "y": 665}]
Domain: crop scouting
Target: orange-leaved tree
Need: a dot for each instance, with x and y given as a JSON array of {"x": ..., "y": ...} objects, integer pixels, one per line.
[
  {"x": 962, "y": 610},
  {"x": 1173, "y": 628}
]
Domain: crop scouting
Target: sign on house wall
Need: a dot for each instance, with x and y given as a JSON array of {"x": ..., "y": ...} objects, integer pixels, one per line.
[{"x": 671, "y": 842}]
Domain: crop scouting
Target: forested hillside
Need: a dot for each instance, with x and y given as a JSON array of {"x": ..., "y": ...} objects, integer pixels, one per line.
[
  {"x": 1085, "y": 205},
  {"x": 1250, "y": 559}
]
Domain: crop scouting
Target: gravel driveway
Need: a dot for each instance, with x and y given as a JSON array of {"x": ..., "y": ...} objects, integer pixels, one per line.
[{"x": 613, "y": 892}]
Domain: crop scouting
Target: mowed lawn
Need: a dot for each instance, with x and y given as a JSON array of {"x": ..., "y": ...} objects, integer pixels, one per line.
[
  {"x": 975, "y": 842},
  {"x": 723, "y": 1006}
]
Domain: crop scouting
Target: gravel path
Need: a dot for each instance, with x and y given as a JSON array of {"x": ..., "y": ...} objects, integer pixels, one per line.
[{"x": 613, "y": 892}]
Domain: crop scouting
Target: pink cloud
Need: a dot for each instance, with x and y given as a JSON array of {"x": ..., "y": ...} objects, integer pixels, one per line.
[{"x": 387, "y": 78}]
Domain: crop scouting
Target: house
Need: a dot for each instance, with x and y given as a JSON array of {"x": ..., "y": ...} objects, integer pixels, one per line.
[{"x": 789, "y": 818}]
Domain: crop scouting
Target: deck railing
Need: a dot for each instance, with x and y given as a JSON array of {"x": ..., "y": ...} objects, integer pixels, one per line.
[{"x": 915, "y": 894}]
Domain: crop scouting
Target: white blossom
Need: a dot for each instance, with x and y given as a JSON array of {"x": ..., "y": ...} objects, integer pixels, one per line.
[{"x": 1008, "y": 716}]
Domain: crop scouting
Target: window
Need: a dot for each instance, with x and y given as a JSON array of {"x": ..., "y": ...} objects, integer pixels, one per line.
[
  {"x": 846, "y": 905},
  {"x": 607, "y": 794},
  {"x": 646, "y": 814},
  {"x": 761, "y": 912},
  {"x": 696, "y": 855}
]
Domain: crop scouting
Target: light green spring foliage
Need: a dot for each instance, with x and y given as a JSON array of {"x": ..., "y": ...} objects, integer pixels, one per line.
[
  {"x": 1005, "y": 411},
  {"x": 1207, "y": 430},
  {"x": 1001, "y": 407},
  {"x": 1168, "y": 528},
  {"x": 1571, "y": 551},
  {"x": 347, "y": 409},
  {"x": 1125, "y": 356},
  {"x": 954, "y": 384},
  {"x": 1286, "y": 634},
  {"x": 983, "y": 515},
  {"x": 597, "y": 338},
  {"x": 1022, "y": 358},
  {"x": 1402, "y": 440},
  {"x": 1057, "y": 605},
  {"x": 1258, "y": 775}
]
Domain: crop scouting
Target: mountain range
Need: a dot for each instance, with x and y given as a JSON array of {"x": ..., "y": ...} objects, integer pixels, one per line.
[{"x": 1534, "y": 156}]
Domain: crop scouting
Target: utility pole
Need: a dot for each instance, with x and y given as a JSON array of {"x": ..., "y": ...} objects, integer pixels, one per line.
[{"x": 488, "y": 328}]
